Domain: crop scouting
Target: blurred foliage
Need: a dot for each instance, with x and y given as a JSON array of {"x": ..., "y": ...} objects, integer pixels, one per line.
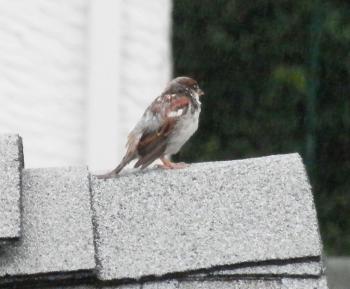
[{"x": 252, "y": 58}]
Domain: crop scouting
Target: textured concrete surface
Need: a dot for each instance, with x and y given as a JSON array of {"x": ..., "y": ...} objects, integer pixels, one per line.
[
  {"x": 166, "y": 284},
  {"x": 11, "y": 164},
  {"x": 122, "y": 286},
  {"x": 57, "y": 228},
  {"x": 232, "y": 284},
  {"x": 338, "y": 272},
  {"x": 300, "y": 268},
  {"x": 284, "y": 283},
  {"x": 98, "y": 286},
  {"x": 157, "y": 221}
]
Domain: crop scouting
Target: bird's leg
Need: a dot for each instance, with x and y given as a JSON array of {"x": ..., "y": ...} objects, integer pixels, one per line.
[{"x": 167, "y": 164}]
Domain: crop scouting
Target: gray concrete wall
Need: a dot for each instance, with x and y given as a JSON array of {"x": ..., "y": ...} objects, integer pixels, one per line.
[{"x": 243, "y": 224}]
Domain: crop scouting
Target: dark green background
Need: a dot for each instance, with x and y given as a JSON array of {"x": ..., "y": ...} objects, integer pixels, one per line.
[{"x": 276, "y": 77}]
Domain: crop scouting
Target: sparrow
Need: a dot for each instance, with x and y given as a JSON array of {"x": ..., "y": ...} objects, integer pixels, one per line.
[{"x": 166, "y": 125}]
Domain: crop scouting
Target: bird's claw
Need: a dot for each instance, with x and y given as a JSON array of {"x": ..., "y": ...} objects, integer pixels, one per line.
[{"x": 173, "y": 166}]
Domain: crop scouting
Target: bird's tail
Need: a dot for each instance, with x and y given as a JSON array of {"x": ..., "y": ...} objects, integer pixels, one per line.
[{"x": 127, "y": 159}]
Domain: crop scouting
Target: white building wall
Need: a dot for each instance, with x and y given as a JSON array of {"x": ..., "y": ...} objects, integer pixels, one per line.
[
  {"x": 75, "y": 75},
  {"x": 42, "y": 78},
  {"x": 129, "y": 65},
  {"x": 145, "y": 61}
]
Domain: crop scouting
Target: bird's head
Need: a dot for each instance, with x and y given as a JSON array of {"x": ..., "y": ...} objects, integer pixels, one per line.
[{"x": 186, "y": 84}]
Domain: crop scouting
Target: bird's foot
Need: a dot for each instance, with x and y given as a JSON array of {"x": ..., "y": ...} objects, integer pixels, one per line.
[
  {"x": 168, "y": 165},
  {"x": 181, "y": 165}
]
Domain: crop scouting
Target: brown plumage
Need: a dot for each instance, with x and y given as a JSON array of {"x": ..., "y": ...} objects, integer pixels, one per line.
[{"x": 165, "y": 126}]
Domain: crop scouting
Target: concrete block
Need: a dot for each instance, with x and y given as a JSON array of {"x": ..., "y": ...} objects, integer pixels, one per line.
[
  {"x": 295, "y": 283},
  {"x": 282, "y": 269},
  {"x": 121, "y": 286},
  {"x": 11, "y": 165},
  {"x": 98, "y": 286},
  {"x": 57, "y": 228},
  {"x": 165, "y": 284},
  {"x": 284, "y": 283},
  {"x": 157, "y": 221},
  {"x": 232, "y": 284}
]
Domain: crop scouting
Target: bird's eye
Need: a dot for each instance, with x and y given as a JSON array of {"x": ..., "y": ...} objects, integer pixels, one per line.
[{"x": 195, "y": 86}]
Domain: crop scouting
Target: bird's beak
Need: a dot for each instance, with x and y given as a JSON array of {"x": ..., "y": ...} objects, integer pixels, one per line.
[{"x": 200, "y": 92}]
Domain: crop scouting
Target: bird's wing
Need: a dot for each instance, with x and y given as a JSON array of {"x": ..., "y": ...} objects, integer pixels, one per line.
[{"x": 158, "y": 123}]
